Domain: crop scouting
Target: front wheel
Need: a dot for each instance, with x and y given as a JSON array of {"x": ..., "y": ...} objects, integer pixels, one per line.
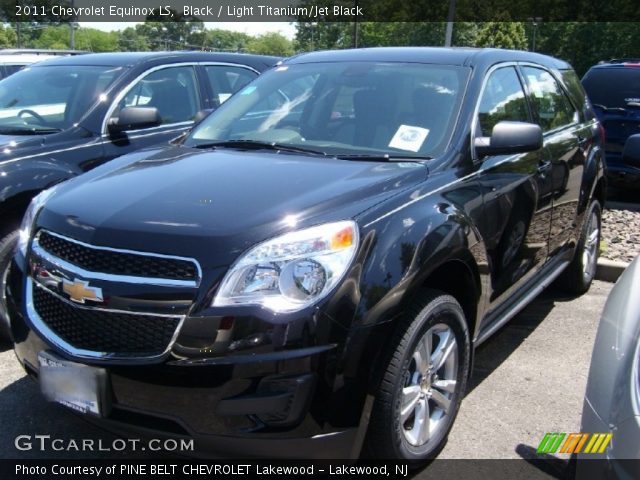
[
  {"x": 7, "y": 246},
  {"x": 425, "y": 376},
  {"x": 581, "y": 271}
]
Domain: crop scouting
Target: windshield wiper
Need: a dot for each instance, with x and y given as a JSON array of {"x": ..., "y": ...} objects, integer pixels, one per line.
[
  {"x": 371, "y": 157},
  {"x": 259, "y": 145},
  {"x": 27, "y": 131}
]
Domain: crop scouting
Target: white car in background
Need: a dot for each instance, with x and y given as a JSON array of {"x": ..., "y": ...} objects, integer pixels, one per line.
[{"x": 13, "y": 60}]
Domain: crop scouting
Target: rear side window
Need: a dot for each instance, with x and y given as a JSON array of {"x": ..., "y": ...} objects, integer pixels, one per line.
[
  {"x": 11, "y": 69},
  {"x": 615, "y": 87},
  {"x": 226, "y": 80},
  {"x": 502, "y": 99},
  {"x": 553, "y": 107},
  {"x": 577, "y": 93}
]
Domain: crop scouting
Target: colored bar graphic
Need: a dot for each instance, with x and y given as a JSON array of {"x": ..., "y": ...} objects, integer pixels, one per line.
[
  {"x": 597, "y": 442},
  {"x": 550, "y": 443}
]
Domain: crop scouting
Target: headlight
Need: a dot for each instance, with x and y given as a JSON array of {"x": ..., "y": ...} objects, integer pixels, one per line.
[
  {"x": 30, "y": 216},
  {"x": 293, "y": 271}
]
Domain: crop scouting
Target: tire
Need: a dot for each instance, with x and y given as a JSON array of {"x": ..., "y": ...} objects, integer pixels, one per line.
[
  {"x": 7, "y": 245},
  {"x": 395, "y": 432},
  {"x": 578, "y": 276}
]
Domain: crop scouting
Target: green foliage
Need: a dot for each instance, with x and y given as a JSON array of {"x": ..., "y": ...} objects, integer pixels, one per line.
[
  {"x": 509, "y": 35},
  {"x": 218, "y": 39},
  {"x": 323, "y": 35},
  {"x": 94, "y": 40},
  {"x": 7, "y": 37},
  {"x": 130, "y": 40},
  {"x": 271, "y": 43}
]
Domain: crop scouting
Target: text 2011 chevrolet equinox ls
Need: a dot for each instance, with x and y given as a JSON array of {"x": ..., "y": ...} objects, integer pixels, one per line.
[{"x": 309, "y": 271}]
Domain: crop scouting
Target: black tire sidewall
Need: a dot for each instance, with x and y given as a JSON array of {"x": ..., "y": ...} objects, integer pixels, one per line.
[
  {"x": 7, "y": 246},
  {"x": 442, "y": 310}
]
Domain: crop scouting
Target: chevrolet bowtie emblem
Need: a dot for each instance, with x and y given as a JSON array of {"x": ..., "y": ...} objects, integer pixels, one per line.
[{"x": 79, "y": 291}]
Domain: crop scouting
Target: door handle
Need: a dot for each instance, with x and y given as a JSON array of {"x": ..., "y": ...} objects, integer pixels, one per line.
[
  {"x": 543, "y": 167},
  {"x": 582, "y": 141}
]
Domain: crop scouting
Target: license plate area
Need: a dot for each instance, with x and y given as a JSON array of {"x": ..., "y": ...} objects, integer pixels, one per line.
[{"x": 80, "y": 387}]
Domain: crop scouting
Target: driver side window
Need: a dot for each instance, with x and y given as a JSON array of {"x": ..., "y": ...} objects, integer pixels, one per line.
[
  {"x": 173, "y": 91},
  {"x": 503, "y": 99}
]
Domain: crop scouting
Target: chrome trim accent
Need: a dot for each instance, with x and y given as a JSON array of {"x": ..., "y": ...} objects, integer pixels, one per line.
[
  {"x": 41, "y": 252},
  {"x": 38, "y": 324},
  {"x": 97, "y": 307},
  {"x": 123, "y": 92}
]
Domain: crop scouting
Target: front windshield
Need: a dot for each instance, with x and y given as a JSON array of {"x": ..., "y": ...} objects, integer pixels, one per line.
[
  {"x": 48, "y": 99},
  {"x": 355, "y": 108}
]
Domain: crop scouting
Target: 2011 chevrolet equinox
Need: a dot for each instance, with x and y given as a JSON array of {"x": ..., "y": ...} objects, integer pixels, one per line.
[{"x": 308, "y": 272}]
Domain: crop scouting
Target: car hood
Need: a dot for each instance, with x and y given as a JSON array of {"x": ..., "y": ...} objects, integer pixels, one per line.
[
  {"x": 19, "y": 141},
  {"x": 213, "y": 205}
]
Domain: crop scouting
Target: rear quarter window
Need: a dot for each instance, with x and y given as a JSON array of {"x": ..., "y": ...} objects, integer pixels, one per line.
[{"x": 576, "y": 93}]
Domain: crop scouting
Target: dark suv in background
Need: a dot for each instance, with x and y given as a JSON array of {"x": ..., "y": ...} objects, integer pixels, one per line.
[
  {"x": 308, "y": 272},
  {"x": 62, "y": 117},
  {"x": 614, "y": 90}
]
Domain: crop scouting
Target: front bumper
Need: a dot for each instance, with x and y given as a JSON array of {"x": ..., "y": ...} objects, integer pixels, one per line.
[{"x": 277, "y": 403}]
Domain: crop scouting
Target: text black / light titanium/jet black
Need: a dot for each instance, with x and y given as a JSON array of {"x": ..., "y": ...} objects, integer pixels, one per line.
[
  {"x": 63, "y": 117},
  {"x": 308, "y": 273}
]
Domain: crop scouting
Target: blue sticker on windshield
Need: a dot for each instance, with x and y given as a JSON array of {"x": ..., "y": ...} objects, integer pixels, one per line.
[{"x": 248, "y": 91}]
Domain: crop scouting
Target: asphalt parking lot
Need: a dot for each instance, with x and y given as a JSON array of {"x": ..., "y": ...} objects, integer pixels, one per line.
[{"x": 529, "y": 379}]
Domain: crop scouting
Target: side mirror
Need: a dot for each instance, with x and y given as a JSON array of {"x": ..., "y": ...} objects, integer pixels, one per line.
[
  {"x": 631, "y": 151},
  {"x": 135, "y": 118},
  {"x": 510, "y": 137}
]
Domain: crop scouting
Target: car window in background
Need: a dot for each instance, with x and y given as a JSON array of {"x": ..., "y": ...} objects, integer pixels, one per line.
[
  {"x": 226, "y": 80},
  {"x": 360, "y": 108},
  {"x": 617, "y": 87},
  {"x": 553, "y": 107},
  {"x": 503, "y": 99},
  {"x": 173, "y": 91},
  {"x": 11, "y": 69},
  {"x": 51, "y": 98}
]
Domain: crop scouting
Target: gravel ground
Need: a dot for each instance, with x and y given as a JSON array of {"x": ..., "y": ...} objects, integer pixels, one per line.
[{"x": 620, "y": 234}]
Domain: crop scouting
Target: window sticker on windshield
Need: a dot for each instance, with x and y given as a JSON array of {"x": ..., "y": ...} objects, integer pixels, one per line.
[
  {"x": 248, "y": 91},
  {"x": 409, "y": 138},
  {"x": 284, "y": 68},
  {"x": 222, "y": 97}
]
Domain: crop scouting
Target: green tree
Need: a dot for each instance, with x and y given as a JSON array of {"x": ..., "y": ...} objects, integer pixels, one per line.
[
  {"x": 94, "y": 40},
  {"x": 312, "y": 36},
  {"x": 502, "y": 35},
  {"x": 7, "y": 37},
  {"x": 176, "y": 33},
  {"x": 130, "y": 40},
  {"x": 52, "y": 37},
  {"x": 218, "y": 39},
  {"x": 271, "y": 43}
]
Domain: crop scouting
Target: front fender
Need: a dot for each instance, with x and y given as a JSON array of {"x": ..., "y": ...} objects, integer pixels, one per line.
[
  {"x": 401, "y": 253},
  {"x": 409, "y": 246},
  {"x": 19, "y": 182}
]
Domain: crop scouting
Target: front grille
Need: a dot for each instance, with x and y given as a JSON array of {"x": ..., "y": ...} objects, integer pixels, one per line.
[
  {"x": 117, "y": 262},
  {"x": 127, "y": 335}
]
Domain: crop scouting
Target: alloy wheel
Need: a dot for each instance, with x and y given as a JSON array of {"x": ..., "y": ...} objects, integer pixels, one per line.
[{"x": 430, "y": 384}]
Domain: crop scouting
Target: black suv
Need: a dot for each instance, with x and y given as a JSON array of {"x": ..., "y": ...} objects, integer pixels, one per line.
[
  {"x": 614, "y": 90},
  {"x": 65, "y": 116},
  {"x": 310, "y": 270}
]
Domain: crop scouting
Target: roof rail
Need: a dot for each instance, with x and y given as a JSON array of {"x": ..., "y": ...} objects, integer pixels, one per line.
[
  {"x": 620, "y": 60},
  {"x": 39, "y": 51}
]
